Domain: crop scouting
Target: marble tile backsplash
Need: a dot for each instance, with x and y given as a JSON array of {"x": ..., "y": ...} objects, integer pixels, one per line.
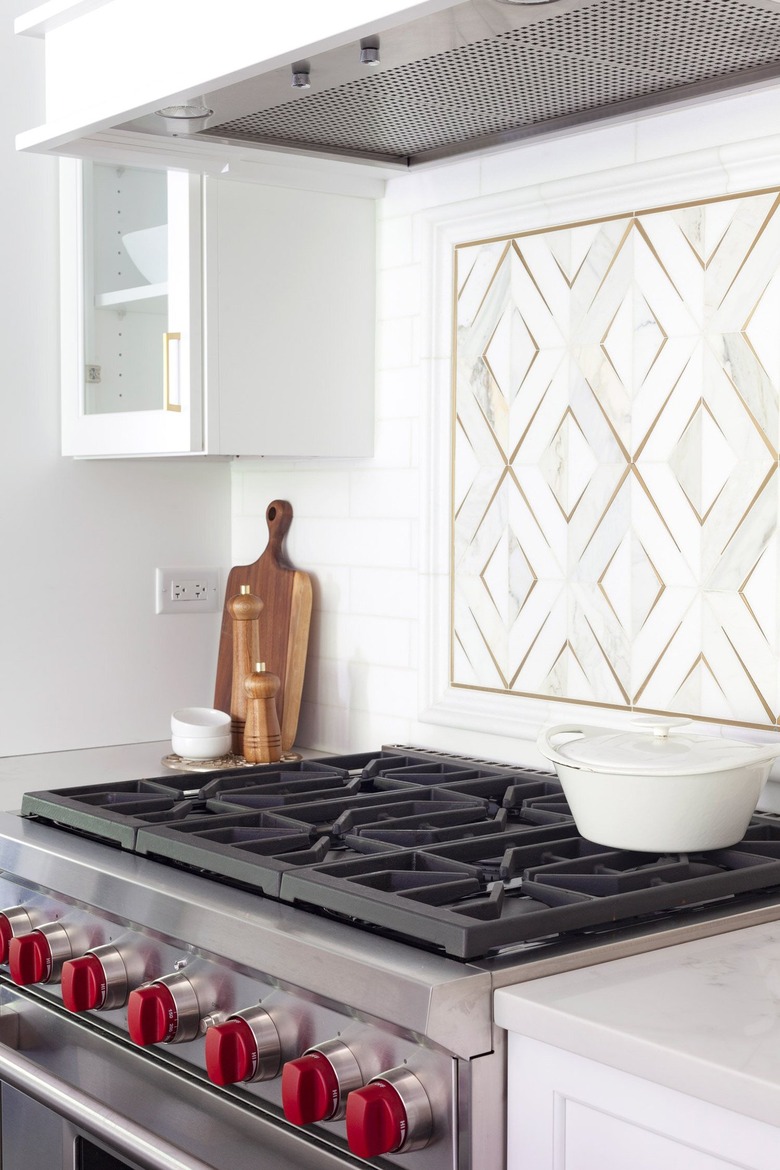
[
  {"x": 616, "y": 449},
  {"x": 664, "y": 437}
]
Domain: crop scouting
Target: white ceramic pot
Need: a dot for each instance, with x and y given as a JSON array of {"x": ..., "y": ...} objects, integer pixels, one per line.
[{"x": 654, "y": 789}]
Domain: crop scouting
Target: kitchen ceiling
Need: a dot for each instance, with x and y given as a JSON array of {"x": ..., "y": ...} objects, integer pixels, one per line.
[{"x": 488, "y": 72}]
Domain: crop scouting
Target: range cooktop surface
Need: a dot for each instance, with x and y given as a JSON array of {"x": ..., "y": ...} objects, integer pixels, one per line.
[{"x": 463, "y": 857}]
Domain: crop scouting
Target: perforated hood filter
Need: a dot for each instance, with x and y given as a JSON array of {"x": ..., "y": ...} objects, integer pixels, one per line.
[{"x": 560, "y": 68}]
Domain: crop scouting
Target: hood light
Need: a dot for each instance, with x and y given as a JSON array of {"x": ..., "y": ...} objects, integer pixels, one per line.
[{"x": 185, "y": 119}]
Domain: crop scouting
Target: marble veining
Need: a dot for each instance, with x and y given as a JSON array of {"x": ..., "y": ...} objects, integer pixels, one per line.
[
  {"x": 615, "y": 437},
  {"x": 702, "y": 1017}
]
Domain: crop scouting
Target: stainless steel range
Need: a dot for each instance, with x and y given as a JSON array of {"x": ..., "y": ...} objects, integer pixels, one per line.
[{"x": 293, "y": 966}]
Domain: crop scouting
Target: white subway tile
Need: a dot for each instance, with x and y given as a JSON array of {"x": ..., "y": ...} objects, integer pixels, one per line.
[
  {"x": 731, "y": 118},
  {"x": 398, "y": 293},
  {"x": 390, "y": 493},
  {"x": 395, "y": 244},
  {"x": 376, "y": 689},
  {"x": 448, "y": 183},
  {"x": 355, "y": 541},
  {"x": 357, "y": 523},
  {"x": 311, "y": 491},
  {"x": 384, "y": 592},
  {"x": 347, "y": 637},
  {"x": 579, "y": 152},
  {"x": 399, "y": 392},
  {"x": 395, "y": 442},
  {"x": 331, "y": 586},
  {"x": 395, "y": 343},
  {"x": 248, "y": 539},
  {"x": 369, "y": 730}
]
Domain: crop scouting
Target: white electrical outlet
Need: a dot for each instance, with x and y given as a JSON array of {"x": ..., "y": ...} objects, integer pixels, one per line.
[{"x": 186, "y": 590}]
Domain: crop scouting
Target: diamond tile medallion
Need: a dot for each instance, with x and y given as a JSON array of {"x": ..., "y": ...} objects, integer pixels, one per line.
[{"x": 615, "y": 486}]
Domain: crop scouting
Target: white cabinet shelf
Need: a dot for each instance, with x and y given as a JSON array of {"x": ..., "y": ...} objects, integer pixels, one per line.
[{"x": 144, "y": 298}]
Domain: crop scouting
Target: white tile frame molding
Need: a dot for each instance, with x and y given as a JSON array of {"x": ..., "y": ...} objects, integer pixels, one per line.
[{"x": 680, "y": 614}]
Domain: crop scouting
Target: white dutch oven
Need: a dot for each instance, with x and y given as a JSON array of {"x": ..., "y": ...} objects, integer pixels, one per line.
[{"x": 655, "y": 790}]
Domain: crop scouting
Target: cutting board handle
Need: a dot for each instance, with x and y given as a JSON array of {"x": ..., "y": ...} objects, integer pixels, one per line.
[{"x": 278, "y": 517}]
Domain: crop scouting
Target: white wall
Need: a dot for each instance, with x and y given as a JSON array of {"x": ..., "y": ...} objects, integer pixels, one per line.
[
  {"x": 84, "y": 660},
  {"x": 375, "y": 532}
]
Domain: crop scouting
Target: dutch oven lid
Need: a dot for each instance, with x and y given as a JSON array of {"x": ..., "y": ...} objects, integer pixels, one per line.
[{"x": 653, "y": 747}]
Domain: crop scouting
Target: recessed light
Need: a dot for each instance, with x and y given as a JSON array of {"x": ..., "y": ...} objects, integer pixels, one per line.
[{"x": 187, "y": 118}]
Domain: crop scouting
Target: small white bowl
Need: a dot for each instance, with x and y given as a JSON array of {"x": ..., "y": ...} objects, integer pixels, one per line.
[
  {"x": 201, "y": 747},
  {"x": 196, "y": 722}
]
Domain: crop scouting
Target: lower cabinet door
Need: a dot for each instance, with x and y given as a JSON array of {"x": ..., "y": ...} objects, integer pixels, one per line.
[{"x": 566, "y": 1112}]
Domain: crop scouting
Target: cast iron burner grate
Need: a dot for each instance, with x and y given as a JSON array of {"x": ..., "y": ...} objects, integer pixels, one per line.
[
  {"x": 450, "y": 853},
  {"x": 566, "y": 885}
]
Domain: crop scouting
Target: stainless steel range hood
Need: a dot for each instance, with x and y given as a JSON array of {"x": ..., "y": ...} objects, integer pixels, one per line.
[{"x": 488, "y": 72}]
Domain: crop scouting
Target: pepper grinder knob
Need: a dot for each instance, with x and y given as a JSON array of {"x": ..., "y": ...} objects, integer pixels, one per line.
[
  {"x": 262, "y": 735},
  {"x": 244, "y": 609}
]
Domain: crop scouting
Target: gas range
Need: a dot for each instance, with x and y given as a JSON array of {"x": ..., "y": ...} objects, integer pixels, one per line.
[{"x": 316, "y": 943}]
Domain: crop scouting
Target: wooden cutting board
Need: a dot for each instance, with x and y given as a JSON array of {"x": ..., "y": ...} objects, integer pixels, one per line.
[{"x": 284, "y": 622}]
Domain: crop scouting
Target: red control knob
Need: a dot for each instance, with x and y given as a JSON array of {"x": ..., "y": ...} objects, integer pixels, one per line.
[
  {"x": 310, "y": 1089},
  {"x": 245, "y": 1047},
  {"x": 166, "y": 1011},
  {"x": 29, "y": 958},
  {"x": 152, "y": 1017},
  {"x": 231, "y": 1052},
  {"x": 95, "y": 981},
  {"x": 13, "y": 922},
  {"x": 6, "y": 934},
  {"x": 37, "y": 957},
  {"x": 392, "y": 1113},
  {"x": 376, "y": 1120},
  {"x": 83, "y": 984}
]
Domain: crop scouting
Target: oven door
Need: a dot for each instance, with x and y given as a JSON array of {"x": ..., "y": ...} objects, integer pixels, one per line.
[{"x": 78, "y": 1098}]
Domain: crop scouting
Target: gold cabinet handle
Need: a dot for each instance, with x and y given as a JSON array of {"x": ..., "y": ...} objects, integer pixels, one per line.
[{"x": 171, "y": 371}]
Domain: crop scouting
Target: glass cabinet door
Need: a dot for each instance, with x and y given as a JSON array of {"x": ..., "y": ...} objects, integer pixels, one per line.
[{"x": 131, "y": 349}]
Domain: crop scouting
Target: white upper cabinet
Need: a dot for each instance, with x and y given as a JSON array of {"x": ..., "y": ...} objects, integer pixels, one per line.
[
  {"x": 289, "y": 297},
  {"x": 130, "y": 311},
  {"x": 213, "y": 317}
]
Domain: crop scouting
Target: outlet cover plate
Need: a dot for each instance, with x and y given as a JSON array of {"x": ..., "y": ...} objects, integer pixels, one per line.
[{"x": 186, "y": 590}]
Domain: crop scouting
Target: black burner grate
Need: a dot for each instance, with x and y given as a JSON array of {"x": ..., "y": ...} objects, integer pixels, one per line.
[{"x": 454, "y": 854}]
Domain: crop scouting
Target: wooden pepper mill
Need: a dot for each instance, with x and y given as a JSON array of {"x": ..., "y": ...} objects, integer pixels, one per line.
[
  {"x": 244, "y": 609},
  {"x": 262, "y": 736}
]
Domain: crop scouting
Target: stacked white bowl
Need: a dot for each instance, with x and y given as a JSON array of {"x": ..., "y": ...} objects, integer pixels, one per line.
[{"x": 200, "y": 733}]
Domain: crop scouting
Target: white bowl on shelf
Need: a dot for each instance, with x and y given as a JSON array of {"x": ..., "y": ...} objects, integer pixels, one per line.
[
  {"x": 201, "y": 747},
  {"x": 148, "y": 249},
  {"x": 196, "y": 722},
  {"x": 200, "y": 733}
]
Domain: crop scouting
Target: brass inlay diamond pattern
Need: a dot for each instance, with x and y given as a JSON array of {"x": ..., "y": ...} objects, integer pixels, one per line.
[{"x": 615, "y": 496}]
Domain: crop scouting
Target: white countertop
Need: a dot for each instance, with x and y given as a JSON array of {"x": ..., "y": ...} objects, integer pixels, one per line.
[
  {"x": 20, "y": 774},
  {"x": 702, "y": 1017}
]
